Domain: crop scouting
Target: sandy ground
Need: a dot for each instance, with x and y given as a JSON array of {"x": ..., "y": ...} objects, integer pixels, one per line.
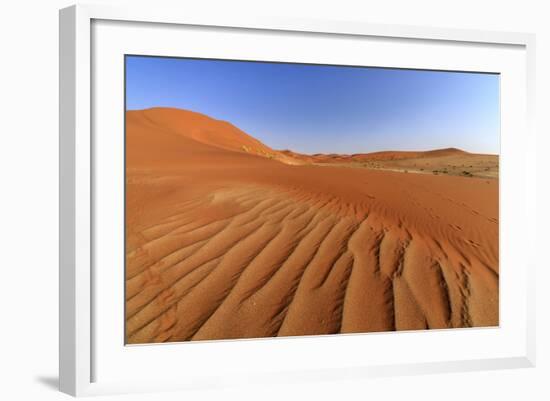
[
  {"x": 442, "y": 161},
  {"x": 227, "y": 238}
]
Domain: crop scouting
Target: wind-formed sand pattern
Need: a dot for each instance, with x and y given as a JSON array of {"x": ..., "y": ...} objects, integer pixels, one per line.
[{"x": 228, "y": 238}]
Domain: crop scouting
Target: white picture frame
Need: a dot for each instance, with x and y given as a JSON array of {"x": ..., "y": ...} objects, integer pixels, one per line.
[{"x": 79, "y": 156}]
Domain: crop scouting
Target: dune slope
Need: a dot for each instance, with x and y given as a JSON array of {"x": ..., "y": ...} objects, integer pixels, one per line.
[{"x": 226, "y": 243}]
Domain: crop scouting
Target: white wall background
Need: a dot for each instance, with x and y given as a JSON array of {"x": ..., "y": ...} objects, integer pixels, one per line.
[{"x": 29, "y": 187}]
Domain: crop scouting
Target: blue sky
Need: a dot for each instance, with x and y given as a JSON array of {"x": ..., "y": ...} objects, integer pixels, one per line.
[{"x": 327, "y": 109}]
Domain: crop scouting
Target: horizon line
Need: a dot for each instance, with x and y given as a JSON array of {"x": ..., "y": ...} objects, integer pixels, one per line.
[{"x": 318, "y": 153}]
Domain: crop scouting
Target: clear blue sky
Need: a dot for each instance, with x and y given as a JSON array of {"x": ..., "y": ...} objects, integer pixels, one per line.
[{"x": 327, "y": 109}]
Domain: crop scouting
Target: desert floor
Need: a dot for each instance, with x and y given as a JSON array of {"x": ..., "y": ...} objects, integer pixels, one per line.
[{"x": 227, "y": 238}]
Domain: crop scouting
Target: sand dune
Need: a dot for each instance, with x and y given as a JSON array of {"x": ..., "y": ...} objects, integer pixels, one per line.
[
  {"x": 450, "y": 161},
  {"x": 375, "y": 156},
  {"x": 226, "y": 242}
]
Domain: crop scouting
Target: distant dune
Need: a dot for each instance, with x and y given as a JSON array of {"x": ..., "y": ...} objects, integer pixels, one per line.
[
  {"x": 228, "y": 238},
  {"x": 384, "y": 155},
  {"x": 450, "y": 161}
]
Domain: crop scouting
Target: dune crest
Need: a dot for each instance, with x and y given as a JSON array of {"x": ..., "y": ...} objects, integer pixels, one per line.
[
  {"x": 205, "y": 130},
  {"x": 227, "y": 243}
]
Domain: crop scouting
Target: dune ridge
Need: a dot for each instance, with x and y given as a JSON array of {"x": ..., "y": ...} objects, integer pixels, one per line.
[
  {"x": 382, "y": 155},
  {"x": 223, "y": 243}
]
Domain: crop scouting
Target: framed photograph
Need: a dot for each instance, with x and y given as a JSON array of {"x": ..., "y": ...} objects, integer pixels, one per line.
[{"x": 292, "y": 199}]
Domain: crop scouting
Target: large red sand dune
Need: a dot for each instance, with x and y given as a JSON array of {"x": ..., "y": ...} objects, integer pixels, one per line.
[{"x": 228, "y": 238}]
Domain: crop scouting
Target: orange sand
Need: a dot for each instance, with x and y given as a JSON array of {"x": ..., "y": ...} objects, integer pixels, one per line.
[{"x": 228, "y": 238}]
